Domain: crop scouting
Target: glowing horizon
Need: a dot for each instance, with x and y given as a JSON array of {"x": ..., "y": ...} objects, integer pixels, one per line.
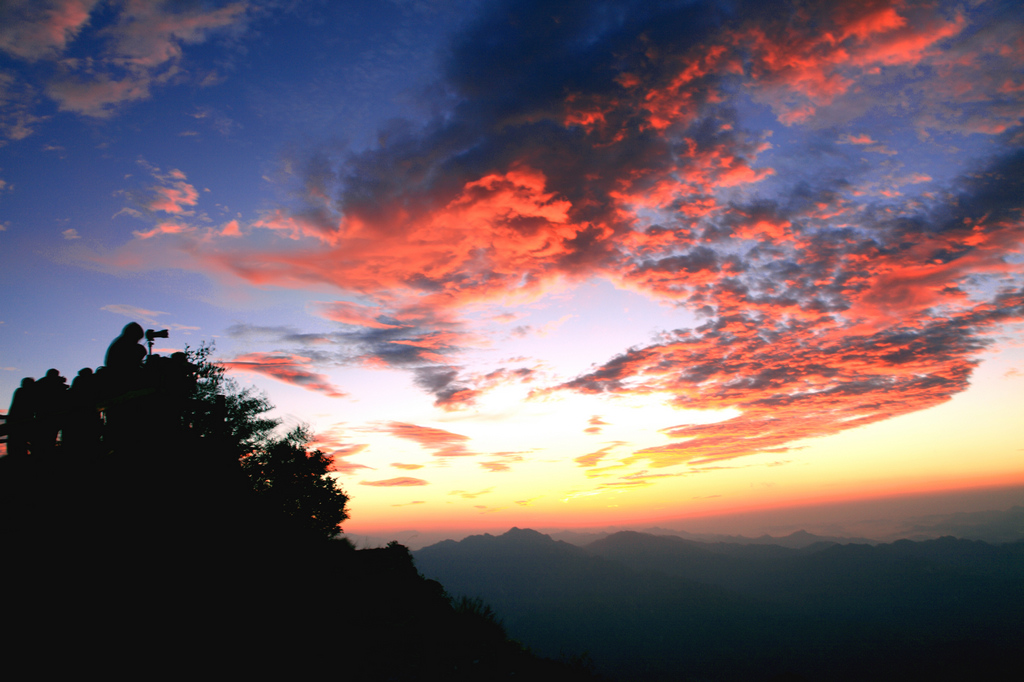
[{"x": 539, "y": 263}]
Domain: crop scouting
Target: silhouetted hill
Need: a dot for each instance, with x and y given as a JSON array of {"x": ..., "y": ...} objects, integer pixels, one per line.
[
  {"x": 739, "y": 567},
  {"x": 162, "y": 561},
  {"x": 151, "y": 526},
  {"x": 663, "y": 608},
  {"x": 561, "y": 600},
  {"x": 990, "y": 526},
  {"x": 796, "y": 540}
]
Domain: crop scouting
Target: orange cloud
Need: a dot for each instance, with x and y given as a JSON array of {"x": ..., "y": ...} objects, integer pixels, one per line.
[
  {"x": 908, "y": 45},
  {"x": 134, "y": 312},
  {"x": 805, "y": 380},
  {"x": 174, "y": 199},
  {"x": 592, "y": 459},
  {"x": 353, "y": 313},
  {"x": 468, "y": 495},
  {"x": 875, "y": 20},
  {"x": 96, "y": 97},
  {"x": 503, "y": 461},
  {"x": 148, "y": 35},
  {"x": 333, "y": 443},
  {"x": 141, "y": 47},
  {"x": 346, "y": 468},
  {"x": 402, "y": 481},
  {"x": 813, "y": 57},
  {"x": 826, "y": 302},
  {"x": 164, "y": 228},
  {"x": 764, "y": 229},
  {"x": 595, "y": 425},
  {"x": 286, "y": 367},
  {"x": 37, "y": 29},
  {"x": 855, "y": 139},
  {"x": 442, "y": 443},
  {"x": 482, "y": 242}
]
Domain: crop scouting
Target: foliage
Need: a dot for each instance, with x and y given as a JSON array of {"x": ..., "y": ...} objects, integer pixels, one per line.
[
  {"x": 291, "y": 480},
  {"x": 482, "y": 615},
  {"x": 245, "y": 426},
  {"x": 296, "y": 482}
]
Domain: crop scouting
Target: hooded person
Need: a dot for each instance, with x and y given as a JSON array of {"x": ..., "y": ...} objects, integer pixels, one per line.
[
  {"x": 126, "y": 353},
  {"x": 21, "y": 417},
  {"x": 122, "y": 381}
]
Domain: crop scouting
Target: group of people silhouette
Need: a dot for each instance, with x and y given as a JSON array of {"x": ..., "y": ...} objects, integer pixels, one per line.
[{"x": 133, "y": 392}]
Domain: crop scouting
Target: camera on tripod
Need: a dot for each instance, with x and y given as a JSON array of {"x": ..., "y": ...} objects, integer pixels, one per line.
[{"x": 154, "y": 334}]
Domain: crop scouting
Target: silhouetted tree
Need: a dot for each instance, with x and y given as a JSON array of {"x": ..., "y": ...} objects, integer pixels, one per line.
[
  {"x": 189, "y": 533},
  {"x": 295, "y": 482},
  {"x": 242, "y": 419},
  {"x": 285, "y": 475}
]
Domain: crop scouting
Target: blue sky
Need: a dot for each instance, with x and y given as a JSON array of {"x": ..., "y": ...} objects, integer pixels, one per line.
[{"x": 525, "y": 262}]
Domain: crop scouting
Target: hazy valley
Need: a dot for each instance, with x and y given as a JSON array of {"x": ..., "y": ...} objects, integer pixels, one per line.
[{"x": 660, "y": 607}]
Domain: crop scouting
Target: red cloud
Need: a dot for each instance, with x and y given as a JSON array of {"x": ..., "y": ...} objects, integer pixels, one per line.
[
  {"x": 677, "y": 103},
  {"x": 333, "y": 442},
  {"x": 147, "y": 35},
  {"x": 826, "y": 308},
  {"x": 173, "y": 199},
  {"x": 496, "y": 466},
  {"x": 908, "y": 45},
  {"x": 353, "y": 313},
  {"x": 147, "y": 316},
  {"x": 42, "y": 28},
  {"x": 291, "y": 369},
  {"x": 595, "y": 426},
  {"x": 856, "y": 139},
  {"x": 592, "y": 459},
  {"x": 340, "y": 452},
  {"x": 810, "y": 58},
  {"x": 97, "y": 96},
  {"x": 812, "y": 379},
  {"x": 503, "y": 462},
  {"x": 469, "y": 495},
  {"x": 475, "y": 385},
  {"x": 297, "y": 227},
  {"x": 343, "y": 467},
  {"x": 764, "y": 230},
  {"x": 141, "y": 46},
  {"x": 402, "y": 481},
  {"x": 875, "y": 20},
  {"x": 486, "y": 240},
  {"x": 443, "y": 443},
  {"x": 164, "y": 228}
]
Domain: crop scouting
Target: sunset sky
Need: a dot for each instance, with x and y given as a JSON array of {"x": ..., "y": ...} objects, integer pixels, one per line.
[{"x": 546, "y": 264}]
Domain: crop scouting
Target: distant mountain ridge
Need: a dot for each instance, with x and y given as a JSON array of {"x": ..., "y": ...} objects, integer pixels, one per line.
[
  {"x": 992, "y": 526},
  {"x": 989, "y": 526},
  {"x": 650, "y": 607},
  {"x": 795, "y": 540}
]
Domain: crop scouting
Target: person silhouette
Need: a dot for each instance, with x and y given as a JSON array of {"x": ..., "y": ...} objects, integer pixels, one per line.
[
  {"x": 83, "y": 428},
  {"x": 51, "y": 408},
  {"x": 126, "y": 353},
  {"x": 123, "y": 378},
  {"x": 20, "y": 418}
]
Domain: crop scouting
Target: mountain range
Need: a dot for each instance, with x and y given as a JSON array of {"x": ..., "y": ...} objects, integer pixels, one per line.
[{"x": 660, "y": 607}]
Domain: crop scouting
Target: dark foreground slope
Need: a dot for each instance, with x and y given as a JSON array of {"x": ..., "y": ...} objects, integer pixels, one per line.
[
  {"x": 160, "y": 561},
  {"x": 652, "y": 608}
]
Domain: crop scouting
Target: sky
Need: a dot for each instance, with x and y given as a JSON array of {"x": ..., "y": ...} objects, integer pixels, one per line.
[{"x": 545, "y": 264}]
